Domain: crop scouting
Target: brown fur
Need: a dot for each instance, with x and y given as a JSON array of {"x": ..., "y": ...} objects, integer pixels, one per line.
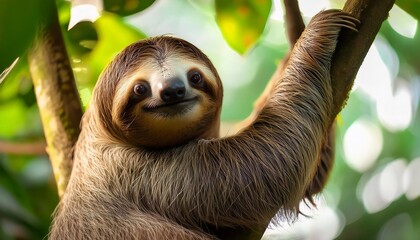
[{"x": 120, "y": 190}]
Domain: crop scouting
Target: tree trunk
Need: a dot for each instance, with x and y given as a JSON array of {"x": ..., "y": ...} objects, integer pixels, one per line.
[{"x": 57, "y": 96}]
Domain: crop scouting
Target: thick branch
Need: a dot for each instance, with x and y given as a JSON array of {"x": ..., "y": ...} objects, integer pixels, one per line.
[
  {"x": 353, "y": 47},
  {"x": 57, "y": 95}
]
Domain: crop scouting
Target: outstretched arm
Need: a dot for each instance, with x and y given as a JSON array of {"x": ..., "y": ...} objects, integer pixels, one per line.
[{"x": 294, "y": 28}]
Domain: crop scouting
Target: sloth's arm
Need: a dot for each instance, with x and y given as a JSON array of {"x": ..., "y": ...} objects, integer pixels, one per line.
[
  {"x": 274, "y": 160},
  {"x": 295, "y": 27},
  {"x": 325, "y": 165}
]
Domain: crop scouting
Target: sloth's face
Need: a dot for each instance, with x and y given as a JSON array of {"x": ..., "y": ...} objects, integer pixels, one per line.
[{"x": 167, "y": 103}]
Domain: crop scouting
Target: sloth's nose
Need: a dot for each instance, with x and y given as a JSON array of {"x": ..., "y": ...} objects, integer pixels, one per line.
[{"x": 172, "y": 90}]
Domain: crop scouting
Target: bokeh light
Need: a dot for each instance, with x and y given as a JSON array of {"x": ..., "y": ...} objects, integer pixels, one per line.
[
  {"x": 325, "y": 222},
  {"x": 395, "y": 110},
  {"x": 412, "y": 179},
  {"x": 402, "y": 22},
  {"x": 309, "y": 7},
  {"x": 362, "y": 144},
  {"x": 374, "y": 77},
  {"x": 384, "y": 187},
  {"x": 396, "y": 227}
]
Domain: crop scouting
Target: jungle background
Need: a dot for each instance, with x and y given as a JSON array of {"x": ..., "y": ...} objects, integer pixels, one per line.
[{"x": 374, "y": 190}]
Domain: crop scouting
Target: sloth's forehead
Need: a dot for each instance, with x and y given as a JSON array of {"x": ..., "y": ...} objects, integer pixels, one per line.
[{"x": 170, "y": 66}]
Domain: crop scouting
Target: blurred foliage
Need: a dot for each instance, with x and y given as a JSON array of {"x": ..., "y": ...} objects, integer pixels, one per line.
[
  {"x": 410, "y": 6},
  {"x": 16, "y": 42},
  {"x": 126, "y": 7},
  {"x": 27, "y": 189},
  {"x": 242, "y": 22}
]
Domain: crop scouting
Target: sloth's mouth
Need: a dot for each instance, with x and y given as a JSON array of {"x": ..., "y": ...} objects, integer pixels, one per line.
[{"x": 181, "y": 105}]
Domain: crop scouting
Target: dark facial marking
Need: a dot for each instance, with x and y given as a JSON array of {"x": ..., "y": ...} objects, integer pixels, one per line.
[
  {"x": 198, "y": 81},
  {"x": 140, "y": 91}
]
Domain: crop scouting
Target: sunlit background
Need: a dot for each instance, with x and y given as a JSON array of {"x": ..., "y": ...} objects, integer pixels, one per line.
[{"x": 374, "y": 190}]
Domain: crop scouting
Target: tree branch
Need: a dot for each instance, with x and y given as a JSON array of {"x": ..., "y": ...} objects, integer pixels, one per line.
[
  {"x": 294, "y": 21},
  {"x": 352, "y": 47},
  {"x": 31, "y": 148},
  {"x": 57, "y": 96}
]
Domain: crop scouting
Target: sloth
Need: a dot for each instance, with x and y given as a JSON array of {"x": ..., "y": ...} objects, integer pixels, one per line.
[{"x": 149, "y": 162}]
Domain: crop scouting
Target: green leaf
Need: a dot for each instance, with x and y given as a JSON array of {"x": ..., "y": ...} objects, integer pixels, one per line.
[
  {"x": 18, "y": 25},
  {"x": 126, "y": 7},
  {"x": 412, "y": 7},
  {"x": 82, "y": 37},
  {"x": 242, "y": 22}
]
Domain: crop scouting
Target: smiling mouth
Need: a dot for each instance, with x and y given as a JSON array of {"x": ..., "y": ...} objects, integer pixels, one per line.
[{"x": 184, "y": 104}]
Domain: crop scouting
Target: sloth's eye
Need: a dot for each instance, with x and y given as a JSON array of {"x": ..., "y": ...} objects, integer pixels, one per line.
[
  {"x": 141, "y": 89},
  {"x": 195, "y": 78}
]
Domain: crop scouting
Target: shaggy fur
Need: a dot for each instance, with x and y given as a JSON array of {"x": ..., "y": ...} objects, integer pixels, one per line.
[{"x": 119, "y": 190}]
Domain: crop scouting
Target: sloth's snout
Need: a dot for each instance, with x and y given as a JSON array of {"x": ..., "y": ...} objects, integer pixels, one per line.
[{"x": 173, "y": 90}]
